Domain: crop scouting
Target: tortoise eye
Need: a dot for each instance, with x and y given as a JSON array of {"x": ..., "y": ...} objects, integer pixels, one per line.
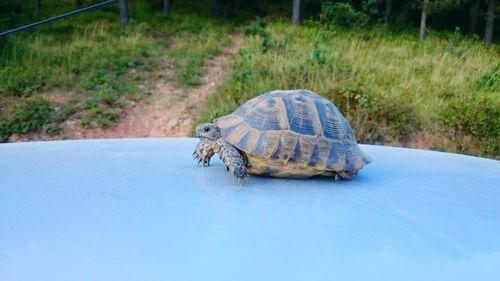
[{"x": 206, "y": 129}]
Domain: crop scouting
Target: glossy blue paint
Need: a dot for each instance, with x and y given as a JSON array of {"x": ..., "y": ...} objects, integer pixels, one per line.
[{"x": 142, "y": 210}]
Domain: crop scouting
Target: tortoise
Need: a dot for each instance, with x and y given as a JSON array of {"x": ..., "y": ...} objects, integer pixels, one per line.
[{"x": 283, "y": 133}]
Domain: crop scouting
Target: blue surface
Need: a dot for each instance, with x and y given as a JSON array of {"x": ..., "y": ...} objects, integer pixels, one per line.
[{"x": 142, "y": 210}]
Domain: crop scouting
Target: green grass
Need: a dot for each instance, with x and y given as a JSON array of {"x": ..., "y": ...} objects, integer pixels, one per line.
[
  {"x": 391, "y": 88},
  {"x": 98, "y": 64},
  {"x": 30, "y": 114},
  {"x": 200, "y": 40}
]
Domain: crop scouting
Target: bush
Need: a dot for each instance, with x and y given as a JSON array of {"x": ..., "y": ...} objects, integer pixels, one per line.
[
  {"x": 341, "y": 14},
  {"x": 258, "y": 28},
  {"x": 374, "y": 118},
  {"x": 474, "y": 120},
  {"x": 370, "y": 8},
  {"x": 15, "y": 81},
  {"x": 391, "y": 89},
  {"x": 30, "y": 115},
  {"x": 11, "y": 11}
]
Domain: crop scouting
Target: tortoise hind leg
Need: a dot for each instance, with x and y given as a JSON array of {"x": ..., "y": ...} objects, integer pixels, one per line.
[{"x": 345, "y": 175}]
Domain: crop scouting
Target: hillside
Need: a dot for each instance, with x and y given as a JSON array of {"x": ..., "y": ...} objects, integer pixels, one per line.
[{"x": 87, "y": 76}]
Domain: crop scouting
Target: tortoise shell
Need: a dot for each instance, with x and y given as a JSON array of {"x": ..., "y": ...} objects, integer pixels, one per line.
[{"x": 294, "y": 133}]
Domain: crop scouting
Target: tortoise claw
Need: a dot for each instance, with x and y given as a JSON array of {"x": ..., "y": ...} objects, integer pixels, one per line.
[
  {"x": 201, "y": 160},
  {"x": 202, "y": 154},
  {"x": 239, "y": 181}
]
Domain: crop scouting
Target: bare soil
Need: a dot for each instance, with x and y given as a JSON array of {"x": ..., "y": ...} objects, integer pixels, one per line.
[{"x": 169, "y": 112}]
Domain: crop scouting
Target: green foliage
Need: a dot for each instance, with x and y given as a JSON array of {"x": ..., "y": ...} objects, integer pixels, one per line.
[
  {"x": 341, "y": 14},
  {"x": 16, "y": 81},
  {"x": 489, "y": 81},
  {"x": 389, "y": 86},
  {"x": 97, "y": 62},
  {"x": 475, "y": 120},
  {"x": 391, "y": 89},
  {"x": 370, "y": 8},
  {"x": 258, "y": 28},
  {"x": 433, "y": 6},
  {"x": 458, "y": 44},
  {"x": 318, "y": 55},
  {"x": 375, "y": 118},
  {"x": 13, "y": 13},
  {"x": 190, "y": 50},
  {"x": 30, "y": 115}
]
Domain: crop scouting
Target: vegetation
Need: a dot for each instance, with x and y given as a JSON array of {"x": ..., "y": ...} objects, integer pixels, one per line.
[
  {"x": 391, "y": 88},
  {"x": 364, "y": 55},
  {"x": 473, "y": 119},
  {"x": 28, "y": 115},
  {"x": 96, "y": 64}
]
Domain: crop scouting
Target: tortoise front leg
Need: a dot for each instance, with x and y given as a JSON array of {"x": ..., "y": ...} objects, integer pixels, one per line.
[
  {"x": 234, "y": 160},
  {"x": 204, "y": 151}
]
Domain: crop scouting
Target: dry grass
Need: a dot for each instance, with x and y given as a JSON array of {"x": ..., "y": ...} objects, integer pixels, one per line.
[{"x": 391, "y": 88}]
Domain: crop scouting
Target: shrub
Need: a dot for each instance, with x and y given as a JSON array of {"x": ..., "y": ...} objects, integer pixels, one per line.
[
  {"x": 341, "y": 14},
  {"x": 375, "y": 118},
  {"x": 370, "y": 8},
  {"x": 11, "y": 11},
  {"x": 16, "y": 81},
  {"x": 474, "y": 119},
  {"x": 30, "y": 115},
  {"x": 258, "y": 28}
]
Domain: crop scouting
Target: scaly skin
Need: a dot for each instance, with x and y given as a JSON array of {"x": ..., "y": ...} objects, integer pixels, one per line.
[
  {"x": 346, "y": 175},
  {"x": 204, "y": 151},
  {"x": 233, "y": 159},
  {"x": 211, "y": 142}
]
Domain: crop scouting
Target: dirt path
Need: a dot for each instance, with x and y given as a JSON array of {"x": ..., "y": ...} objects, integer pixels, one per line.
[{"x": 171, "y": 111}]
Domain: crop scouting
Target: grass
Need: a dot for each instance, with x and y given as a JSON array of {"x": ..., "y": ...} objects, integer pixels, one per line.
[
  {"x": 192, "y": 47},
  {"x": 393, "y": 89},
  {"x": 97, "y": 64},
  {"x": 443, "y": 93}
]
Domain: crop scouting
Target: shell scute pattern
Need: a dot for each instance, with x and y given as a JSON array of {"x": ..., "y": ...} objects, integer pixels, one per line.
[
  {"x": 293, "y": 130},
  {"x": 296, "y": 153},
  {"x": 285, "y": 147},
  {"x": 302, "y": 121},
  {"x": 330, "y": 120}
]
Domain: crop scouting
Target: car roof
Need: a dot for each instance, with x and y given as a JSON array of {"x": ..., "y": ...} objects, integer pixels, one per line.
[{"x": 141, "y": 209}]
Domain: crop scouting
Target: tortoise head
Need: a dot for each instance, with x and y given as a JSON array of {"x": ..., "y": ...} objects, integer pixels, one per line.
[{"x": 208, "y": 131}]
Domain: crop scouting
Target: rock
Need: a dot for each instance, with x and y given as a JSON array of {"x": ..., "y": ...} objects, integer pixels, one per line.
[{"x": 172, "y": 123}]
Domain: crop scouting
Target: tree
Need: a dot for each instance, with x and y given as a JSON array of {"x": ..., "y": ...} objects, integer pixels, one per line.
[
  {"x": 490, "y": 20},
  {"x": 388, "y": 8},
  {"x": 38, "y": 5},
  {"x": 474, "y": 12},
  {"x": 78, "y": 3},
  {"x": 296, "y": 13},
  {"x": 423, "y": 20},
  {"x": 123, "y": 12},
  {"x": 166, "y": 7},
  {"x": 430, "y": 6}
]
